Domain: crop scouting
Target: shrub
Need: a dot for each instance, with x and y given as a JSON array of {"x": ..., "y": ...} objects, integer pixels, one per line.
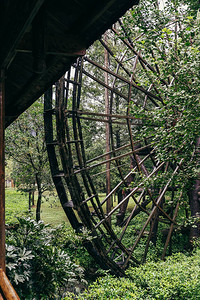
[
  {"x": 111, "y": 287},
  {"x": 66, "y": 238},
  {"x": 178, "y": 278},
  {"x": 36, "y": 266}
]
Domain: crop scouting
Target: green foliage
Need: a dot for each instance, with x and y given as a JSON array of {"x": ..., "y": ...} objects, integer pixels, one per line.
[
  {"x": 176, "y": 279},
  {"x": 179, "y": 239},
  {"x": 25, "y": 146},
  {"x": 110, "y": 287},
  {"x": 66, "y": 238},
  {"x": 37, "y": 267},
  {"x": 168, "y": 39},
  {"x": 18, "y": 263}
]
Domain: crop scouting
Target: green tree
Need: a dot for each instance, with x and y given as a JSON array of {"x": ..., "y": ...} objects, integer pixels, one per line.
[
  {"x": 167, "y": 39},
  {"x": 25, "y": 144},
  {"x": 24, "y": 180}
]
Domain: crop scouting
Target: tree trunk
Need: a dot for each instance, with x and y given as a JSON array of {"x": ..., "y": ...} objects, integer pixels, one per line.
[
  {"x": 195, "y": 210},
  {"x": 29, "y": 201},
  {"x": 122, "y": 210},
  {"x": 195, "y": 202},
  {"x": 154, "y": 224},
  {"x": 39, "y": 200},
  {"x": 33, "y": 198}
]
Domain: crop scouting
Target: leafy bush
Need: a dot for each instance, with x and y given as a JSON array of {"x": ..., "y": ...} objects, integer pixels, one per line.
[
  {"x": 37, "y": 267},
  {"x": 66, "y": 238},
  {"x": 178, "y": 278},
  {"x": 111, "y": 287},
  {"x": 18, "y": 263}
]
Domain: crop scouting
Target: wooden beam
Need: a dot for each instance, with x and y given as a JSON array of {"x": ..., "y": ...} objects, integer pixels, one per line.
[
  {"x": 37, "y": 85},
  {"x": 100, "y": 8},
  {"x": 19, "y": 16},
  {"x": 97, "y": 12},
  {"x": 2, "y": 173},
  {"x": 108, "y": 133},
  {"x": 65, "y": 44},
  {"x": 7, "y": 287},
  {"x": 39, "y": 41}
]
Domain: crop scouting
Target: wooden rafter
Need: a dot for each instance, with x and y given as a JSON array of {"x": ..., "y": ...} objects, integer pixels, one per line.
[{"x": 14, "y": 26}]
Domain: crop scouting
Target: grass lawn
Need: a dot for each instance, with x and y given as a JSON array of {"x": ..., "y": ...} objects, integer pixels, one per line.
[
  {"x": 17, "y": 205},
  {"x": 51, "y": 210},
  {"x": 52, "y": 213}
]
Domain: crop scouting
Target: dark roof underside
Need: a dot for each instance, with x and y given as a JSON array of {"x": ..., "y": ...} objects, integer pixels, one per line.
[{"x": 41, "y": 39}]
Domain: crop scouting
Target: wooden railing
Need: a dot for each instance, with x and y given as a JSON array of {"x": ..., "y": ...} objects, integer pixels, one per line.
[{"x": 7, "y": 289}]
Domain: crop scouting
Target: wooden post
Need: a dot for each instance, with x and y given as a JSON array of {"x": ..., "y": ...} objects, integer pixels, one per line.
[
  {"x": 2, "y": 173},
  {"x": 7, "y": 288}
]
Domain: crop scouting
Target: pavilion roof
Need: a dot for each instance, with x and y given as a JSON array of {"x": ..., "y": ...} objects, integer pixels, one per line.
[{"x": 40, "y": 39}]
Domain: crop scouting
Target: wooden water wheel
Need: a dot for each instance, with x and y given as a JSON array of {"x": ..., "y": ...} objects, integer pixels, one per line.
[{"x": 123, "y": 224}]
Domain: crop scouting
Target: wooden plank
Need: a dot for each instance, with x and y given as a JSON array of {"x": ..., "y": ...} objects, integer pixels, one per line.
[
  {"x": 2, "y": 173},
  {"x": 19, "y": 16},
  {"x": 7, "y": 287}
]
